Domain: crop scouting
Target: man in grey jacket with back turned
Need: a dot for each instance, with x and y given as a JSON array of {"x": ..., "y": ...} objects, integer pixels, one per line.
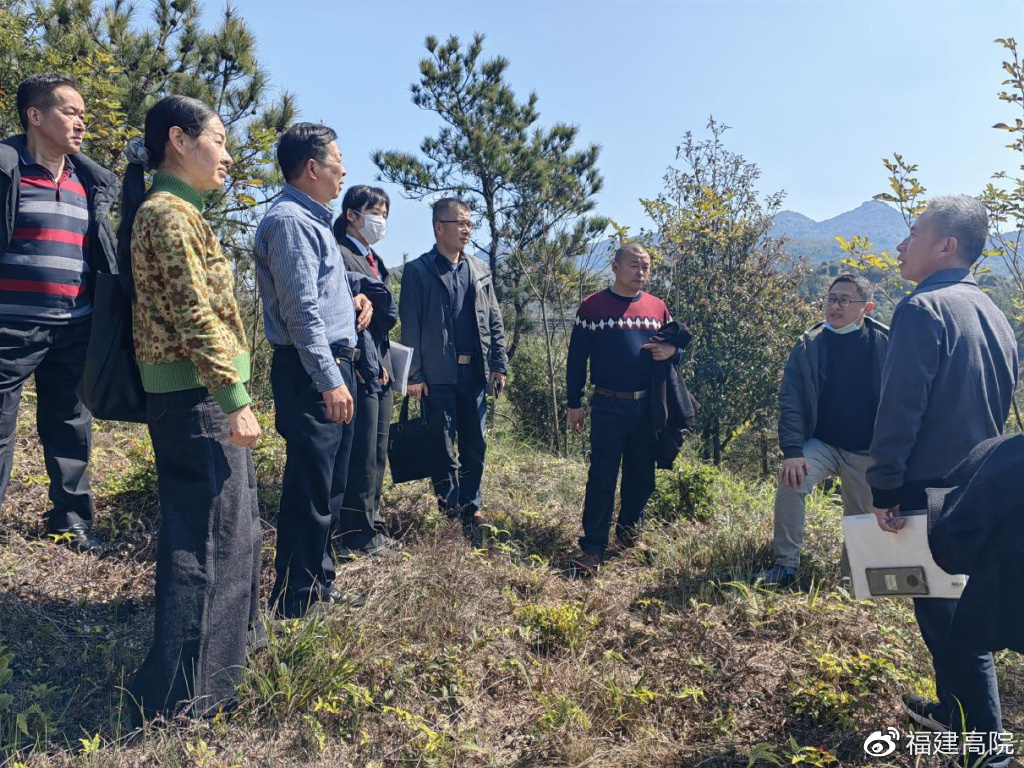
[{"x": 947, "y": 385}]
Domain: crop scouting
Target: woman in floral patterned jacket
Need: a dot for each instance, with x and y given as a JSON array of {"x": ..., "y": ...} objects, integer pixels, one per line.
[{"x": 194, "y": 361}]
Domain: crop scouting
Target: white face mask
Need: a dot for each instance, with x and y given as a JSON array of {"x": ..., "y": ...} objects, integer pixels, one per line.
[
  {"x": 844, "y": 330},
  {"x": 374, "y": 227}
]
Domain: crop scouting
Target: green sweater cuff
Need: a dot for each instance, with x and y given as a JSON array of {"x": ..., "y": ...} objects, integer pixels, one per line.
[{"x": 232, "y": 397}]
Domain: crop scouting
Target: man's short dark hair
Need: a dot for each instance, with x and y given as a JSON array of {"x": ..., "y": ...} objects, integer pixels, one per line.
[
  {"x": 964, "y": 218},
  {"x": 865, "y": 289},
  {"x": 37, "y": 91},
  {"x": 629, "y": 248},
  {"x": 448, "y": 206},
  {"x": 300, "y": 144}
]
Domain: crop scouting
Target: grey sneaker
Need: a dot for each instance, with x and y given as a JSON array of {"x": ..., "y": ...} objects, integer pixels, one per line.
[{"x": 780, "y": 576}]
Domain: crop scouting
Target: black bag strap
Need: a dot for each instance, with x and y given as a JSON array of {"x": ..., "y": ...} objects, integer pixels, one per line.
[{"x": 403, "y": 416}]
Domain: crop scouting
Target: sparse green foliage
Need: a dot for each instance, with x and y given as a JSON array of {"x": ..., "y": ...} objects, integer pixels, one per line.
[
  {"x": 730, "y": 281},
  {"x": 843, "y": 687},
  {"x": 1005, "y": 197},
  {"x": 687, "y": 490},
  {"x": 557, "y": 626},
  {"x": 883, "y": 269},
  {"x": 561, "y": 712},
  {"x": 309, "y": 666}
]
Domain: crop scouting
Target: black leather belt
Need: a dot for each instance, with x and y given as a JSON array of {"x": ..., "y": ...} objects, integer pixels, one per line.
[
  {"x": 621, "y": 395},
  {"x": 340, "y": 353}
]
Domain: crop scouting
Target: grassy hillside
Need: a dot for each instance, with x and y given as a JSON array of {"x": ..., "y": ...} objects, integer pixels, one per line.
[{"x": 465, "y": 657}]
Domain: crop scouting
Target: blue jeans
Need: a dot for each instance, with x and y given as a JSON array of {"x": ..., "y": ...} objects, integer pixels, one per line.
[
  {"x": 620, "y": 435},
  {"x": 465, "y": 404},
  {"x": 207, "y": 559}
]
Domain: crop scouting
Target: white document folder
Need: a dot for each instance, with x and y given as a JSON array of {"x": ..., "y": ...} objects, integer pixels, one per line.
[
  {"x": 401, "y": 362},
  {"x": 869, "y": 547}
]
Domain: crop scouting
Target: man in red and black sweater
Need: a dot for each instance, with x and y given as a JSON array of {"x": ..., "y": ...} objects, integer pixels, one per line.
[
  {"x": 55, "y": 236},
  {"x": 613, "y": 330}
]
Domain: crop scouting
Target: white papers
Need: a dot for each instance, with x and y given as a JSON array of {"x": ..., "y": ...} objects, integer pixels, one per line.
[
  {"x": 401, "y": 362},
  {"x": 868, "y": 546}
]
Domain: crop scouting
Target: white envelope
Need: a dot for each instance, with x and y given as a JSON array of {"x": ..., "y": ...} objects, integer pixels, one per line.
[{"x": 868, "y": 546}]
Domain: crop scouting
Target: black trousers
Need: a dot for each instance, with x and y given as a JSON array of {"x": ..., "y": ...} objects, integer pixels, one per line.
[
  {"x": 359, "y": 519},
  {"x": 207, "y": 562},
  {"x": 465, "y": 405},
  {"x": 315, "y": 476},
  {"x": 56, "y": 355},
  {"x": 620, "y": 435}
]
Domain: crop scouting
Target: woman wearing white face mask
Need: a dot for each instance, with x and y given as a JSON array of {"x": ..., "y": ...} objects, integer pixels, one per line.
[{"x": 360, "y": 527}]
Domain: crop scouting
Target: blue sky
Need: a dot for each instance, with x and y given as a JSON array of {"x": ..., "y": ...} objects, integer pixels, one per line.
[{"x": 816, "y": 91}]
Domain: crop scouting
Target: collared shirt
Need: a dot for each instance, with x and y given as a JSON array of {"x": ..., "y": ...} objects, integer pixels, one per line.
[
  {"x": 307, "y": 302},
  {"x": 459, "y": 282},
  {"x": 44, "y": 275},
  {"x": 367, "y": 254}
]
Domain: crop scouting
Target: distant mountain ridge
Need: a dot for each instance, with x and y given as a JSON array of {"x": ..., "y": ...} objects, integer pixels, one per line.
[{"x": 880, "y": 223}]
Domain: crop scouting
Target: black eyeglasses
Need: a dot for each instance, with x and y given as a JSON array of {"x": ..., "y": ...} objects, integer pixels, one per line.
[
  {"x": 467, "y": 225},
  {"x": 841, "y": 302}
]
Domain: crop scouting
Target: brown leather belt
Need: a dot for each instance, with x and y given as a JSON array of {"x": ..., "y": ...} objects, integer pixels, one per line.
[
  {"x": 466, "y": 359},
  {"x": 622, "y": 395}
]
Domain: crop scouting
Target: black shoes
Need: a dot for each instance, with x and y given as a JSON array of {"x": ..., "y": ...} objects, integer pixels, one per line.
[
  {"x": 778, "y": 576},
  {"x": 342, "y": 599},
  {"x": 927, "y": 715},
  {"x": 79, "y": 538}
]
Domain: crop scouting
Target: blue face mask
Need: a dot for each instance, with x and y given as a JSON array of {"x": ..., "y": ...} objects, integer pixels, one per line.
[{"x": 844, "y": 330}]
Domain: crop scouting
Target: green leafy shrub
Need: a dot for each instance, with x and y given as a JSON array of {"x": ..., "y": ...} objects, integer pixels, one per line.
[
  {"x": 688, "y": 490},
  {"x": 561, "y": 712},
  {"x": 556, "y": 626},
  {"x": 530, "y": 394},
  {"x": 844, "y": 687}
]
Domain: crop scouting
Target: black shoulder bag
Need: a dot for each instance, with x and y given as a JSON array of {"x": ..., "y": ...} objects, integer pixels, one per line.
[{"x": 419, "y": 448}]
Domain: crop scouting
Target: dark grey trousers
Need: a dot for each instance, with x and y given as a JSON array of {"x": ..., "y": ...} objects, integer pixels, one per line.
[
  {"x": 208, "y": 558},
  {"x": 56, "y": 355},
  {"x": 360, "y": 519}
]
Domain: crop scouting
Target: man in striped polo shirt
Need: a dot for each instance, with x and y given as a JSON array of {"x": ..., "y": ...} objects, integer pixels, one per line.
[
  {"x": 613, "y": 332},
  {"x": 55, "y": 236}
]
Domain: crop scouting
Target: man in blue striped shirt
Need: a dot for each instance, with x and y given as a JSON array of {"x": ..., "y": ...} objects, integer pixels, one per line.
[
  {"x": 55, "y": 236},
  {"x": 310, "y": 317}
]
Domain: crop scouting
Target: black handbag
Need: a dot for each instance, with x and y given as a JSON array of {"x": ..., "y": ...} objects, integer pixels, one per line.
[
  {"x": 419, "y": 448},
  {"x": 111, "y": 387}
]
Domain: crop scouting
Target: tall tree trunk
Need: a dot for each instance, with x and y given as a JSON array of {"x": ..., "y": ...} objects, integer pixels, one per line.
[
  {"x": 519, "y": 315},
  {"x": 552, "y": 389},
  {"x": 492, "y": 257},
  {"x": 716, "y": 434}
]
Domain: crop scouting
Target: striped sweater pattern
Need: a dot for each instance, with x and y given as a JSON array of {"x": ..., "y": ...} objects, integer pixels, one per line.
[{"x": 44, "y": 274}]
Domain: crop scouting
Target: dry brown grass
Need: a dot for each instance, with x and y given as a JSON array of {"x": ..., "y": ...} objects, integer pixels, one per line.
[{"x": 460, "y": 657}]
